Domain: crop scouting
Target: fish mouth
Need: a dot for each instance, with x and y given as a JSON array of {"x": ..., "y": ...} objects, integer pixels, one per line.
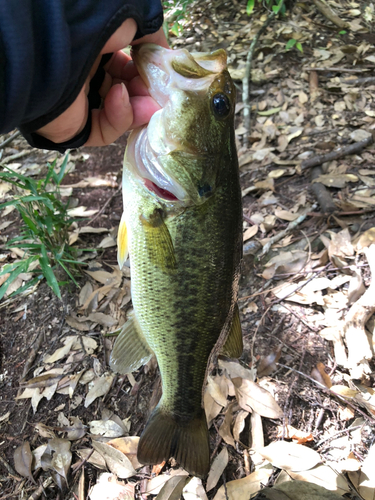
[{"x": 148, "y": 168}]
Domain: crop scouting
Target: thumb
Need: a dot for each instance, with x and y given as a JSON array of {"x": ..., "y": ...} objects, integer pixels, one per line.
[{"x": 113, "y": 120}]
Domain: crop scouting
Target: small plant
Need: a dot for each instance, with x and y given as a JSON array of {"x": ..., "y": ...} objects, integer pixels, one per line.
[
  {"x": 174, "y": 15},
  {"x": 275, "y": 5},
  {"x": 44, "y": 236},
  {"x": 293, "y": 43}
]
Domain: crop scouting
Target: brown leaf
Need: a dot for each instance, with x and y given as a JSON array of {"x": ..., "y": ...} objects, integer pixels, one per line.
[
  {"x": 99, "y": 387},
  {"x": 251, "y": 396},
  {"x": 172, "y": 489},
  {"x": 217, "y": 468},
  {"x": 108, "y": 487},
  {"x": 267, "y": 364},
  {"x": 242, "y": 489},
  {"x": 225, "y": 428},
  {"x": 116, "y": 461},
  {"x": 321, "y": 376},
  {"x": 23, "y": 459},
  {"x": 290, "y": 456},
  {"x": 128, "y": 446}
]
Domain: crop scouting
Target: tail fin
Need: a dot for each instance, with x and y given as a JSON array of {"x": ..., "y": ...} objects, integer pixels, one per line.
[{"x": 166, "y": 436}]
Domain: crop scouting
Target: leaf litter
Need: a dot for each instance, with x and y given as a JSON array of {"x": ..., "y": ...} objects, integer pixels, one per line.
[{"x": 302, "y": 396}]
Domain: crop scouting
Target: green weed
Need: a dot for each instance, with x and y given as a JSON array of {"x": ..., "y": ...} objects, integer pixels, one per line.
[{"x": 44, "y": 237}]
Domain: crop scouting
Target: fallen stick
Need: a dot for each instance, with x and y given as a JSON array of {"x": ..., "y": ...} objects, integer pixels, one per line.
[
  {"x": 336, "y": 69},
  {"x": 356, "y": 147},
  {"x": 10, "y": 139},
  {"x": 330, "y": 15},
  {"x": 289, "y": 228}
]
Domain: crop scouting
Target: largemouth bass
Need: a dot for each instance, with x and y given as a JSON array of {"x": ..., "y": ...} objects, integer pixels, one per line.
[{"x": 182, "y": 226}]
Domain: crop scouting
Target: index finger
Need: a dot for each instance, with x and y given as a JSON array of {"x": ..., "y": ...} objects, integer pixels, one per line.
[{"x": 121, "y": 66}]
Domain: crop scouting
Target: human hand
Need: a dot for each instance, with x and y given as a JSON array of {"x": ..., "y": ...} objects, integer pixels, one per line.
[{"x": 127, "y": 103}]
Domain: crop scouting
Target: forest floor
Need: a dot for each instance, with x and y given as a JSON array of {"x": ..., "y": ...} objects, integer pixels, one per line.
[{"x": 300, "y": 404}]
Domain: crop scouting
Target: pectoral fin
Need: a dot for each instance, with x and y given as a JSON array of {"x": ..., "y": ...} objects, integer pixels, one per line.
[
  {"x": 131, "y": 349},
  {"x": 159, "y": 242},
  {"x": 233, "y": 346},
  {"x": 122, "y": 243}
]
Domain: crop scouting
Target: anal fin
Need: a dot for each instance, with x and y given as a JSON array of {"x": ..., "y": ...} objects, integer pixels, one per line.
[
  {"x": 233, "y": 346},
  {"x": 131, "y": 349}
]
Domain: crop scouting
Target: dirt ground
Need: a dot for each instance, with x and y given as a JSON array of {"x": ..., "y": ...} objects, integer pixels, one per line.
[{"x": 286, "y": 338}]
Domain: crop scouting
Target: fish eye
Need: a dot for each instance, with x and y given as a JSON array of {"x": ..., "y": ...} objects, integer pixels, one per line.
[{"x": 221, "y": 105}]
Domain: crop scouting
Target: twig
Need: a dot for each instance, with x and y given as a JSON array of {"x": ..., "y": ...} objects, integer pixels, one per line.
[
  {"x": 330, "y": 15},
  {"x": 39, "y": 492},
  {"x": 106, "y": 204},
  {"x": 300, "y": 319},
  {"x": 10, "y": 139},
  {"x": 246, "y": 80},
  {"x": 33, "y": 352},
  {"x": 335, "y": 69},
  {"x": 360, "y": 81},
  {"x": 76, "y": 467},
  {"x": 9, "y": 468},
  {"x": 323, "y": 387},
  {"x": 292, "y": 225},
  {"x": 337, "y": 153},
  {"x": 329, "y": 438},
  {"x": 225, "y": 486},
  {"x": 316, "y": 273},
  {"x": 15, "y": 157}
]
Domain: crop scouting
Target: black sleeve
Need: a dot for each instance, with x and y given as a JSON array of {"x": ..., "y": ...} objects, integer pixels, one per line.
[{"x": 47, "y": 48}]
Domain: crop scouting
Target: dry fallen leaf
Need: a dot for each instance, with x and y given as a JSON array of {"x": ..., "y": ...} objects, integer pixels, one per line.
[
  {"x": 108, "y": 487},
  {"x": 290, "y": 456},
  {"x": 23, "y": 459},
  {"x": 98, "y": 387},
  {"x": 106, "y": 428},
  {"x": 251, "y": 396},
  {"x": 193, "y": 490},
  {"x": 290, "y": 432},
  {"x": 242, "y": 489},
  {"x": 116, "y": 461},
  {"x": 155, "y": 484},
  {"x": 172, "y": 489},
  {"x": 128, "y": 446},
  {"x": 217, "y": 468}
]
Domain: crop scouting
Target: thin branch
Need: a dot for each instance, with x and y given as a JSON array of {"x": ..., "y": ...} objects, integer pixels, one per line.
[
  {"x": 292, "y": 225},
  {"x": 337, "y": 153},
  {"x": 323, "y": 387},
  {"x": 10, "y": 139}
]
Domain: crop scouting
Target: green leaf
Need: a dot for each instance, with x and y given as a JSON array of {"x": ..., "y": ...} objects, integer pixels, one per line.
[
  {"x": 269, "y": 112},
  {"x": 30, "y": 223},
  {"x": 250, "y": 7},
  {"x": 299, "y": 46},
  {"x": 291, "y": 43},
  {"x": 22, "y": 267},
  {"x": 48, "y": 273},
  {"x": 175, "y": 29},
  {"x": 343, "y": 32},
  {"x": 27, "y": 285},
  {"x": 61, "y": 174}
]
